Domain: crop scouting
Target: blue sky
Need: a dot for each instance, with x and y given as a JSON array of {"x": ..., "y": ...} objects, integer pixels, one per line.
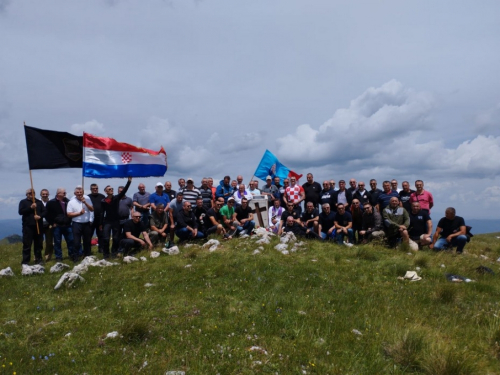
[{"x": 407, "y": 90}]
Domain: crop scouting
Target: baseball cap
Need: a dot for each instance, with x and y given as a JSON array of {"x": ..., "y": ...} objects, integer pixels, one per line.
[
  {"x": 269, "y": 178},
  {"x": 159, "y": 184}
]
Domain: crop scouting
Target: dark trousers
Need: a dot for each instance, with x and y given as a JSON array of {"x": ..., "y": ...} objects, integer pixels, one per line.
[
  {"x": 49, "y": 241},
  {"x": 108, "y": 228},
  {"x": 30, "y": 236},
  {"x": 82, "y": 231},
  {"x": 94, "y": 227},
  {"x": 129, "y": 246}
]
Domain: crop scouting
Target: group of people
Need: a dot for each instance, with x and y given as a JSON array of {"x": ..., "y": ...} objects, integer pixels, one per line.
[{"x": 124, "y": 225}]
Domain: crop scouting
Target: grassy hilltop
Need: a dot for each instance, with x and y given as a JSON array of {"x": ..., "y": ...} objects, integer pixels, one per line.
[{"x": 322, "y": 310}]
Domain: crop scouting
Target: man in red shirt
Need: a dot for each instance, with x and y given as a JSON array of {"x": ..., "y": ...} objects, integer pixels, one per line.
[{"x": 423, "y": 197}]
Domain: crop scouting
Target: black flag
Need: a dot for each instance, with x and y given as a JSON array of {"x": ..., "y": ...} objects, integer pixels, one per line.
[{"x": 49, "y": 149}]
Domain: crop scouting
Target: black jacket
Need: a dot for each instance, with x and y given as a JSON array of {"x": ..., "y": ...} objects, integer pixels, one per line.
[
  {"x": 28, "y": 213},
  {"x": 55, "y": 213}
]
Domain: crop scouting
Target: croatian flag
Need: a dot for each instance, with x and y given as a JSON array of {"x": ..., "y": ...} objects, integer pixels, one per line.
[{"x": 107, "y": 158}]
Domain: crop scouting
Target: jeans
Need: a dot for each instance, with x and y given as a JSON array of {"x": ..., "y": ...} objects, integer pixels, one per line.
[
  {"x": 129, "y": 247},
  {"x": 331, "y": 236},
  {"x": 59, "y": 232},
  {"x": 248, "y": 226},
  {"x": 339, "y": 237},
  {"x": 185, "y": 234},
  {"x": 458, "y": 241}
]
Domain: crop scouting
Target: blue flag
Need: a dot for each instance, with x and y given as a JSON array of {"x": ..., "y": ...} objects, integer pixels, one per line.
[{"x": 271, "y": 166}]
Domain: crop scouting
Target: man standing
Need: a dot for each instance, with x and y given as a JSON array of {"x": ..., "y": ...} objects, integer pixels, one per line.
[
  {"x": 190, "y": 192},
  {"x": 110, "y": 218},
  {"x": 343, "y": 225},
  {"x": 277, "y": 182},
  {"x": 47, "y": 230},
  {"x": 125, "y": 207},
  {"x": 385, "y": 197},
  {"x": 404, "y": 195},
  {"x": 206, "y": 194},
  {"x": 270, "y": 191},
  {"x": 168, "y": 190},
  {"x": 159, "y": 196},
  {"x": 396, "y": 221},
  {"x": 294, "y": 194},
  {"x": 187, "y": 226},
  {"x": 32, "y": 211},
  {"x": 182, "y": 184},
  {"x": 394, "y": 185},
  {"x": 81, "y": 211},
  {"x": 326, "y": 195},
  {"x": 224, "y": 190},
  {"x": 158, "y": 225},
  {"x": 422, "y": 196},
  {"x": 420, "y": 230},
  {"x": 375, "y": 192},
  {"x": 141, "y": 203},
  {"x": 96, "y": 199},
  {"x": 312, "y": 190},
  {"x": 452, "y": 230},
  {"x": 362, "y": 194},
  {"x": 174, "y": 208},
  {"x": 342, "y": 196},
  {"x": 61, "y": 224},
  {"x": 332, "y": 185},
  {"x": 253, "y": 188},
  {"x": 131, "y": 242},
  {"x": 352, "y": 186}
]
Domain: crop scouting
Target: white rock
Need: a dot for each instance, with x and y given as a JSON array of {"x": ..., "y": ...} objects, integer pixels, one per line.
[
  {"x": 356, "y": 332},
  {"x": 443, "y": 266},
  {"x": 104, "y": 263},
  {"x": 174, "y": 250},
  {"x": 154, "y": 254},
  {"x": 11, "y": 322},
  {"x": 188, "y": 266},
  {"x": 281, "y": 247},
  {"x": 213, "y": 248},
  {"x": 285, "y": 252},
  {"x": 89, "y": 260},
  {"x": 80, "y": 268},
  {"x": 32, "y": 270},
  {"x": 256, "y": 251},
  {"x": 6, "y": 272},
  {"x": 288, "y": 237},
  {"x": 261, "y": 232},
  {"x": 67, "y": 334},
  {"x": 144, "y": 259},
  {"x": 263, "y": 241},
  {"x": 129, "y": 259},
  {"x": 175, "y": 373},
  {"x": 147, "y": 285},
  {"x": 245, "y": 236},
  {"x": 68, "y": 278},
  {"x": 211, "y": 242},
  {"x": 112, "y": 335},
  {"x": 59, "y": 267}
]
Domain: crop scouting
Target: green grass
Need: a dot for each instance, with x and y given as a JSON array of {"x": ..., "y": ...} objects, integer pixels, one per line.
[{"x": 300, "y": 308}]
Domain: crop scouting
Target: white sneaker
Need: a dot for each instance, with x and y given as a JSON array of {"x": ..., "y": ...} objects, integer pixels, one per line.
[
  {"x": 243, "y": 232},
  {"x": 348, "y": 244}
]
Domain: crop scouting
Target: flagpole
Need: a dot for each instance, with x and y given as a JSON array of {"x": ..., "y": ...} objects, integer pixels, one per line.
[{"x": 33, "y": 195}]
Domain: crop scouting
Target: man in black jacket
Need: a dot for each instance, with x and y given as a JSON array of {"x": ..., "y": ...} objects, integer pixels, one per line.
[
  {"x": 32, "y": 211},
  {"x": 96, "y": 199},
  {"x": 110, "y": 218},
  {"x": 61, "y": 224}
]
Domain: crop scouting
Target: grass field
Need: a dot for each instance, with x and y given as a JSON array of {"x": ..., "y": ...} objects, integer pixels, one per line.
[{"x": 322, "y": 310}]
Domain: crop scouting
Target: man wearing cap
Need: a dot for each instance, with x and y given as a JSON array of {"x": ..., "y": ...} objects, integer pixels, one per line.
[
  {"x": 159, "y": 196},
  {"x": 270, "y": 190},
  {"x": 32, "y": 211},
  {"x": 141, "y": 203},
  {"x": 190, "y": 192}
]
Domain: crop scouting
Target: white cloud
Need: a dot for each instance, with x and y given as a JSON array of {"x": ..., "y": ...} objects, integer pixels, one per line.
[
  {"x": 93, "y": 127},
  {"x": 369, "y": 124}
]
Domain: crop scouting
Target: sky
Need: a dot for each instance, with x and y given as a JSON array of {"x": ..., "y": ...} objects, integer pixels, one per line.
[{"x": 393, "y": 89}]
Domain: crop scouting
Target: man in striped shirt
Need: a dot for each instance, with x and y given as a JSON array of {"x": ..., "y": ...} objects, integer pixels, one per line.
[{"x": 190, "y": 192}]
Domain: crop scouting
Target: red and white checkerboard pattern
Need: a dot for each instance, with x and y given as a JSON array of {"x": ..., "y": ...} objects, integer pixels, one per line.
[
  {"x": 293, "y": 193},
  {"x": 126, "y": 157}
]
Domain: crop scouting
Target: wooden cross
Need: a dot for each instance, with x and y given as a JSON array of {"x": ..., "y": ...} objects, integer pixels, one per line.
[{"x": 258, "y": 210}]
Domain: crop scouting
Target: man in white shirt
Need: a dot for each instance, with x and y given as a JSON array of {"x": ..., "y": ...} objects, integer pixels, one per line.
[{"x": 81, "y": 211}]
